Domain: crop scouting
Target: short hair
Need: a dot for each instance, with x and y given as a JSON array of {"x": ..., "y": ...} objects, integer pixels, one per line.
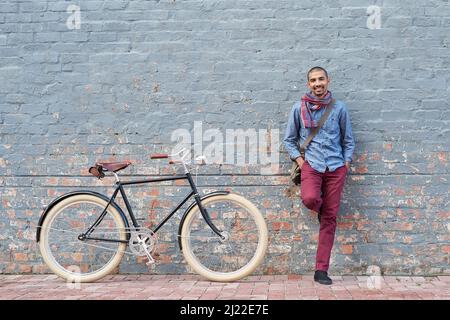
[{"x": 316, "y": 69}]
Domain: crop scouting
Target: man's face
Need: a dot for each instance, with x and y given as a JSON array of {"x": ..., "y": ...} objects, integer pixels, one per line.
[{"x": 318, "y": 83}]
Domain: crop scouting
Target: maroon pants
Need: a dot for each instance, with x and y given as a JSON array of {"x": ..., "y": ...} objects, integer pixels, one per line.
[{"x": 321, "y": 192}]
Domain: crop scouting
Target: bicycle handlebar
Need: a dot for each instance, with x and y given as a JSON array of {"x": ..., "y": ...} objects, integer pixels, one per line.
[
  {"x": 182, "y": 154},
  {"x": 159, "y": 156}
]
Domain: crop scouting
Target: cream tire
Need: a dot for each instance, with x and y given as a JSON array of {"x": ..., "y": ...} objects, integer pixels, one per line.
[
  {"x": 55, "y": 266},
  {"x": 254, "y": 262}
]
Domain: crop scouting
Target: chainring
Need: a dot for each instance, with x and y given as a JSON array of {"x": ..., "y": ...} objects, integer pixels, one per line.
[{"x": 141, "y": 238}]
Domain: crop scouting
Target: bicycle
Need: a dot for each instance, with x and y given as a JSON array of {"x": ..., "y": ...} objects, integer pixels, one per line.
[{"x": 83, "y": 235}]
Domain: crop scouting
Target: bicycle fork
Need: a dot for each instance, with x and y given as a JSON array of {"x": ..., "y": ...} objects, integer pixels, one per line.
[
  {"x": 207, "y": 218},
  {"x": 203, "y": 211}
]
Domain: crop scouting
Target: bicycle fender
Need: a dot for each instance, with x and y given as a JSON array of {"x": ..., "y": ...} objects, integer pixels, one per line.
[
  {"x": 66, "y": 195},
  {"x": 208, "y": 195}
]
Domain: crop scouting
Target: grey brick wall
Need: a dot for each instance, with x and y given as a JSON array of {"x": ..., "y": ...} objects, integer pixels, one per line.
[{"x": 136, "y": 70}]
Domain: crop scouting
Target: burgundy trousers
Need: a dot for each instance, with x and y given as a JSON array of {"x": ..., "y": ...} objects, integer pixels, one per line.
[{"x": 322, "y": 192}]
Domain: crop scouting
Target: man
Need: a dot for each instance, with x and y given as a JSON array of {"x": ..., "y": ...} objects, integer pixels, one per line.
[{"x": 327, "y": 159}]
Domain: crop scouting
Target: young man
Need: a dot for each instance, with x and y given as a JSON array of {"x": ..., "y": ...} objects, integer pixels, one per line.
[{"x": 327, "y": 159}]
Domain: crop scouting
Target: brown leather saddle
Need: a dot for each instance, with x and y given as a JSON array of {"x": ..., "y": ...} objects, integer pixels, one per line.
[{"x": 99, "y": 167}]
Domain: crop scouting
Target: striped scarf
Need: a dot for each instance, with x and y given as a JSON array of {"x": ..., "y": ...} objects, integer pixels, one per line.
[{"x": 311, "y": 103}]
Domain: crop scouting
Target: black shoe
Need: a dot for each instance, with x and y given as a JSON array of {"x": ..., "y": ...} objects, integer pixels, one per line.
[{"x": 322, "y": 277}]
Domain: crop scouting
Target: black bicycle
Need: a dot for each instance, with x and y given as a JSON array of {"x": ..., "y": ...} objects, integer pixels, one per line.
[{"x": 83, "y": 235}]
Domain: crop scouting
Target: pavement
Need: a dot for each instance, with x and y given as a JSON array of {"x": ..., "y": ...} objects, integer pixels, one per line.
[{"x": 193, "y": 287}]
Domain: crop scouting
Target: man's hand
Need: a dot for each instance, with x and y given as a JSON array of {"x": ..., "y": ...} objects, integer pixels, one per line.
[
  {"x": 347, "y": 164},
  {"x": 300, "y": 162}
]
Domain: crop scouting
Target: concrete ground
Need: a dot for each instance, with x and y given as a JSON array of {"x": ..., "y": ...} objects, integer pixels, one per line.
[{"x": 192, "y": 287}]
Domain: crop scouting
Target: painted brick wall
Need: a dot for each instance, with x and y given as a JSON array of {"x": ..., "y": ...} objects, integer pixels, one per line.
[{"x": 115, "y": 83}]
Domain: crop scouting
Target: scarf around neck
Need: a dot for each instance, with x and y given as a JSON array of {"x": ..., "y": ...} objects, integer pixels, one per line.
[{"x": 311, "y": 103}]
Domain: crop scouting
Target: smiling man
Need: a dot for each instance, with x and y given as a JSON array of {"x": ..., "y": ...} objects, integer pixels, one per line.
[{"x": 326, "y": 161}]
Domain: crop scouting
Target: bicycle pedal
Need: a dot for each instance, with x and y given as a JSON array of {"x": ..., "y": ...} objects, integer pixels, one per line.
[{"x": 150, "y": 263}]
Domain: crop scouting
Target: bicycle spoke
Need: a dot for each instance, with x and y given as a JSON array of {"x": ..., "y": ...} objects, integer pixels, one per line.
[
  {"x": 101, "y": 247},
  {"x": 112, "y": 232}
]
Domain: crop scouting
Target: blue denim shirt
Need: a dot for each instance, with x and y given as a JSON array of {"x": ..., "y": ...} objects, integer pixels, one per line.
[{"x": 333, "y": 144}]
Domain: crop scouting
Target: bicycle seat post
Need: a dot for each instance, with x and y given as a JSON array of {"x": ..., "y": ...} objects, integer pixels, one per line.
[{"x": 117, "y": 177}]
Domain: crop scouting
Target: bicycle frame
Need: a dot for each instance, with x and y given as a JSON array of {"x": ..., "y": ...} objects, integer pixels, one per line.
[{"x": 119, "y": 188}]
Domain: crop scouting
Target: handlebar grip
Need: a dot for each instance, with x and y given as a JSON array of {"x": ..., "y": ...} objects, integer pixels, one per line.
[{"x": 159, "y": 156}]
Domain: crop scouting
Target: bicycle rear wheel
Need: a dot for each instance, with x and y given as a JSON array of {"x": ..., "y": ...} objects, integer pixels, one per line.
[
  {"x": 245, "y": 241},
  {"x": 82, "y": 260}
]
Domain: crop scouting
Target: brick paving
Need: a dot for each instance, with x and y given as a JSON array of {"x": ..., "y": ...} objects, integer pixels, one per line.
[{"x": 192, "y": 287}]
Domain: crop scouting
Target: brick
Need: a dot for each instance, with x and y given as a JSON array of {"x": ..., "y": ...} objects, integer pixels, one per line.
[
  {"x": 9, "y": 7},
  {"x": 116, "y": 5},
  {"x": 74, "y": 36},
  {"x": 347, "y": 249},
  {"x": 277, "y": 226},
  {"x": 116, "y": 26},
  {"x": 34, "y": 6},
  {"x": 47, "y": 37},
  {"x": 446, "y": 249}
]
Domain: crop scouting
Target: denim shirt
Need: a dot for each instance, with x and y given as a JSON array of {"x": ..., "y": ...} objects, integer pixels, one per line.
[{"x": 333, "y": 144}]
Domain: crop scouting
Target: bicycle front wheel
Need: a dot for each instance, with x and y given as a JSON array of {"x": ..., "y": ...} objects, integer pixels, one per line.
[
  {"x": 243, "y": 248},
  {"x": 75, "y": 259}
]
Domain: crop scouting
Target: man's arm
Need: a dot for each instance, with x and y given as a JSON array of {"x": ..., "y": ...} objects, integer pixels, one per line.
[
  {"x": 348, "y": 142},
  {"x": 291, "y": 136}
]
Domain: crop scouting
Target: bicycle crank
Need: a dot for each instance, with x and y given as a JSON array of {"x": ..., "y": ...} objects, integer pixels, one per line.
[{"x": 143, "y": 243}]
